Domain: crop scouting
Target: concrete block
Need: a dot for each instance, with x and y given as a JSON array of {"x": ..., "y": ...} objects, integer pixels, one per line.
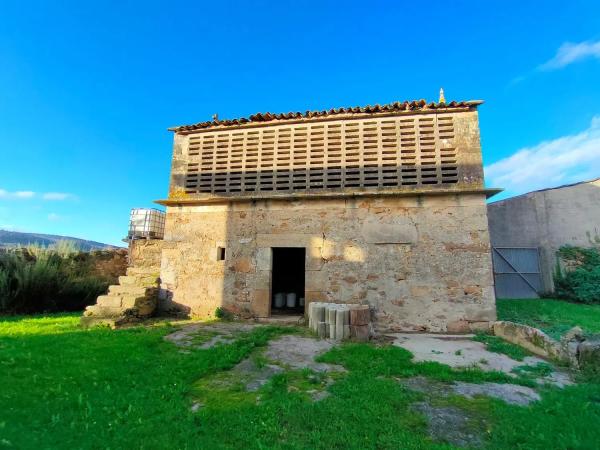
[
  {"x": 346, "y": 332},
  {"x": 322, "y": 330},
  {"x": 331, "y": 314},
  {"x": 342, "y": 318},
  {"x": 360, "y": 316},
  {"x": 359, "y": 333}
]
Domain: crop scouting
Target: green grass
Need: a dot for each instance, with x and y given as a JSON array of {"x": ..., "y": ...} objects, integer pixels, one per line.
[
  {"x": 554, "y": 317},
  {"x": 62, "y": 387},
  {"x": 498, "y": 345}
]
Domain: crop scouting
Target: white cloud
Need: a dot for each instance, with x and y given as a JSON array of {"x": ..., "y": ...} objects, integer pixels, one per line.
[
  {"x": 16, "y": 195},
  {"x": 57, "y": 196},
  {"x": 24, "y": 195},
  {"x": 53, "y": 217},
  {"x": 563, "y": 160},
  {"x": 569, "y": 53}
]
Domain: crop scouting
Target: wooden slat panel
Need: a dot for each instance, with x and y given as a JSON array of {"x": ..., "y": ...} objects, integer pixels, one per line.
[{"x": 367, "y": 153}]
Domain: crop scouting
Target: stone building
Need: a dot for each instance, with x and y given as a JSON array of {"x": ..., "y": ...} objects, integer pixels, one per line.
[
  {"x": 380, "y": 205},
  {"x": 548, "y": 219}
]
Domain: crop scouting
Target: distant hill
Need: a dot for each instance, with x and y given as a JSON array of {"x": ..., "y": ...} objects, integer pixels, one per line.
[{"x": 17, "y": 239}]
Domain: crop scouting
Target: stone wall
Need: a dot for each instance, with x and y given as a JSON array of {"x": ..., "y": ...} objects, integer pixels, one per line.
[
  {"x": 108, "y": 264},
  {"x": 420, "y": 262},
  {"x": 145, "y": 253}
]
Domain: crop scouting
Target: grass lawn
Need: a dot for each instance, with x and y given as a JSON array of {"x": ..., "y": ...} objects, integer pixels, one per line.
[
  {"x": 64, "y": 387},
  {"x": 554, "y": 317}
]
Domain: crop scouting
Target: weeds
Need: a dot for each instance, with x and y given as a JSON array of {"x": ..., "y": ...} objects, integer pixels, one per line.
[
  {"x": 498, "y": 345},
  {"x": 38, "y": 279}
]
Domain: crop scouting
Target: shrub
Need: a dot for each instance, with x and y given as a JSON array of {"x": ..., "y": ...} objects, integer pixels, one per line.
[
  {"x": 37, "y": 279},
  {"x": 223, "y": 314},
  {"x": 581, "y": 281}
]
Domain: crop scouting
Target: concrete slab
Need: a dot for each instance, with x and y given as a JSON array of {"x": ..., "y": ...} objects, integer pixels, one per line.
[
  {"x": 457, "y": 351},
  {"x": 299, "y": 352},
  {"x": 461, "y": 351}
]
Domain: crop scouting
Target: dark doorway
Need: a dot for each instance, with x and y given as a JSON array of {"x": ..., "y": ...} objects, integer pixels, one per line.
[{"x": 288, "y": 278}]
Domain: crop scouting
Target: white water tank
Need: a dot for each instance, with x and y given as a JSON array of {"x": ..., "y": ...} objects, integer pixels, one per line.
[
  {"x": 290, "y": 300},
  {"x": 146, "y": 223},
  {"x": 279, "y": 300}
]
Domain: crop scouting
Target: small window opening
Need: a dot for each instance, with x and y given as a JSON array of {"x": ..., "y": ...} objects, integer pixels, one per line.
[{"x": 220, "y": 253}]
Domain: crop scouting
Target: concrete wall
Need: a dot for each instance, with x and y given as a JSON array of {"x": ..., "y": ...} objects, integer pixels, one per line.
[
  {"x": 421, "y": 262},
  {"x": 548, "y": 219}
]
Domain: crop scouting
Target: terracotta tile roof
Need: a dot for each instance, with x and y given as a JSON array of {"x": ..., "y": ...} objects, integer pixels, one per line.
[{"x": 415, "y": 105}]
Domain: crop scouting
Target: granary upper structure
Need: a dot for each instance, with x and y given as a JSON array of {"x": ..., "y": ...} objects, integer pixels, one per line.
[
  {"x": 380, "y": 206},
  {"x": 397, "y": 148}
]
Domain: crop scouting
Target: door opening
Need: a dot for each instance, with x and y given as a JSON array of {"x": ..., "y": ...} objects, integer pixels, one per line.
[{"x": 287, "y": 282}]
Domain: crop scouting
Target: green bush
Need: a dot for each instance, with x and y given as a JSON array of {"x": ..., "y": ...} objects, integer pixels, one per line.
[
  {"x": 47, "y": 280},
  {"x": 223, "y": 314},
  {"x": 581, "y": 282}
]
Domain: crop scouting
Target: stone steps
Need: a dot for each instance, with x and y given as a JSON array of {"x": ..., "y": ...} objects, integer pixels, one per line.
[
  {"x": 144, "y": 271},
  {"x": 137, "y": 280},
  {"x": 133, "y": 299},
  {"x": 131, "y": 289}
]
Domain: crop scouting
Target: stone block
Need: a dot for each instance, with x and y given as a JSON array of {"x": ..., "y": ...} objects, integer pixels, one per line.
[
  {"x": 283, "y": 240},
  {"x": 532, "y": 339},
  {"x": 315, "y": 296},
  {"x": 128, "y": 289},
  {"x": 479, "y": 326},
  {"x": 315, "y": 280},
  {"x": 390, "y": 230},
  {"x": 260, "y": 303},
  {"x": 243, "y": 265},
  {"x": 109, "y": 301},
  {"x": 458, "y": 326},
  {"x": 589, "y": 356},
  {"x": 263, "y": 258}
]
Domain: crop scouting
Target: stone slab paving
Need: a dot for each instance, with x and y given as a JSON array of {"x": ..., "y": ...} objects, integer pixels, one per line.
[
  {"x": 299, "y": 352},
  {"x": 450, "y": 424},
  {"x": 510, "y": 393},
  {"x": 283, "y": 353},
  {"x": 462, "y": 351},
  {"x": 217, "y": 332}
]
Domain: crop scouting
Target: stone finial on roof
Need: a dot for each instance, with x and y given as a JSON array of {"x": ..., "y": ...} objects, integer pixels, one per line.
[
  {"x": 215, "y": 117},
  {"x": 442, "y": 98}
]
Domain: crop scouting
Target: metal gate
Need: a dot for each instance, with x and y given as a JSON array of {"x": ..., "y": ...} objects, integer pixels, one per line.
[{"x": 517, "y": 272}]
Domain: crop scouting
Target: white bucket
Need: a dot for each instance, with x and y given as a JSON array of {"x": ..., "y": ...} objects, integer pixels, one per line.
[
  {"x": 279, "y": 300},
  {"x": 291, "y": 299}
]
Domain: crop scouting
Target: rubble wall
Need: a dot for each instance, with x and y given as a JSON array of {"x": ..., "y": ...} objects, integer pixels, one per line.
[{"x": 422, "y": 263}]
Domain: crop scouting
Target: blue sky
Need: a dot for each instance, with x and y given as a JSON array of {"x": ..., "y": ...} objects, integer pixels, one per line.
[{"x": 88, "y": 89}]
